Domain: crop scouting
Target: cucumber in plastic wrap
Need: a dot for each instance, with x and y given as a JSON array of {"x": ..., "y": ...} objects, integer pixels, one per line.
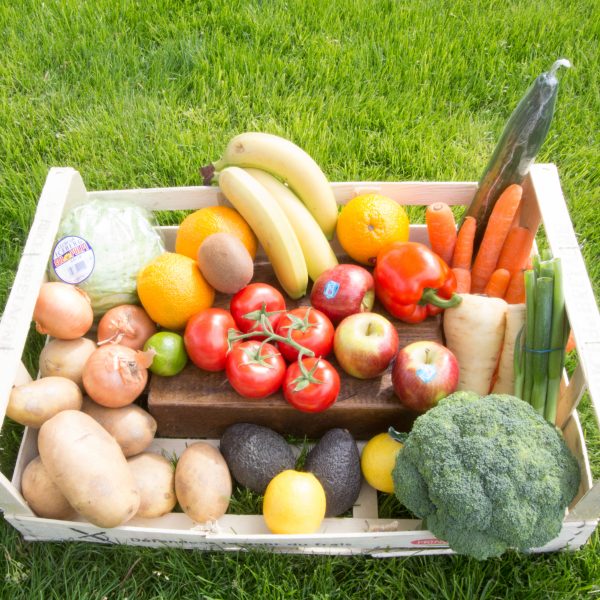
[
  {"x": 101, "y": 246},
  {"x": 518, "y": 146}
]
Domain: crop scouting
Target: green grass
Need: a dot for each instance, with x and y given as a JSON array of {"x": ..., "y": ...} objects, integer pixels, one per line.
[{"x": 137, "y": 94}]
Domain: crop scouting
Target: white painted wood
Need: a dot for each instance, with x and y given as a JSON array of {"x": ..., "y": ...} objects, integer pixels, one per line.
[
  {"x": 573, "y": 435},
  {"x": 388, "y": 543},
  {"x": 63, "y": 187},
  {"x": 579, "y": 297},
  {"x": 417, "y": 233},
  {"x": 194, "y": 197},
  {"x": 570, "y": 397}
]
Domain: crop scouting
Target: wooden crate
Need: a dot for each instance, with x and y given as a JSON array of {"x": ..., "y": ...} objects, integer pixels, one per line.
[{"x": 364, "y": 532}]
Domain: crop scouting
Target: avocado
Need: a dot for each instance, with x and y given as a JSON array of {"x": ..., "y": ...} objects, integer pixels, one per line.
[
  {"x": 335, "y": 462},
  {"x": 255, "y": 454}
]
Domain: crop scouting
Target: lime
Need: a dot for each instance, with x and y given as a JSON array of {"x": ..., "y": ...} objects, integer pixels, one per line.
[
  {"x": 377, "y": 462},
  {"x": 170, "y": 357},
  {"x": 294, "y": 502}
]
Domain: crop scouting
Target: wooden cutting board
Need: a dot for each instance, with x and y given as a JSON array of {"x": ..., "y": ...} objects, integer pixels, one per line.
[{"x": 197, "y": 403}]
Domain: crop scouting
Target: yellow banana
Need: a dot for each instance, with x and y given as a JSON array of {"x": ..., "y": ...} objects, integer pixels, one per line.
[
  {"x": 317, "y": 251},
  {"x": 292, "y": 165},
  {"x": 271, "y": 226}
]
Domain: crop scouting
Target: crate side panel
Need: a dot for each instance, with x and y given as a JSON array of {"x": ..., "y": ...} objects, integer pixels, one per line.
[
  {"x": 195, "y": 197},
  {"x": 581, "y": 307}
]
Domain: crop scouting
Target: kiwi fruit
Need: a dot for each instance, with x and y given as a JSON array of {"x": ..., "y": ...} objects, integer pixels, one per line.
[{"x": 225, "y": 262}]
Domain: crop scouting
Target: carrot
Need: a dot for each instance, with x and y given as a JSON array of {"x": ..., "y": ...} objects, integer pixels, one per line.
[
  {"x": 570, "y": 343},
  {"x": 516, "y": 249},
  {"x": 463, "y": 280},
  {"x": 463, "y": 250},
  {"x": 441, "y": 229},
  {"x": 494, "y": 237},
  {"x": 515, "y": 293},
  {"x": 497, "y": 283}
]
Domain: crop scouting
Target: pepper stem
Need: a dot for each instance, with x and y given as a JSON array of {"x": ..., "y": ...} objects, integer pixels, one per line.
[{"x": 430, "y": 297}]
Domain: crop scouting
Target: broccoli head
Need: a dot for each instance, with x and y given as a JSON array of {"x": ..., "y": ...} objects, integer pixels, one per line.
[{"x": 487, "y": 474}]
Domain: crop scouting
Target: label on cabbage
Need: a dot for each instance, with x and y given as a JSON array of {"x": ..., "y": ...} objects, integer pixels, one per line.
[{"x": 73, "y": 259}]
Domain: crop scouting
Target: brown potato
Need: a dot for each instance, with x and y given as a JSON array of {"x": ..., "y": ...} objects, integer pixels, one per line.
[
  {"x": 155, "y": 479},
  {"x": 34, "y": 403},
  {"x": 202, "y": 482},
  {"x": 66, "y": 358},
  {"x": 43, "y": 497},
  {"x": 130, "y": 425},
  {"x": 87, "y": 465}
]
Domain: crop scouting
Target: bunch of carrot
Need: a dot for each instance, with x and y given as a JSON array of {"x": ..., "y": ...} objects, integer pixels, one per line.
[{"x": 498, "y": 267}]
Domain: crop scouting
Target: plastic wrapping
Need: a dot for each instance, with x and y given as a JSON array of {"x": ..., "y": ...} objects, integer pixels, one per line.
[{"x": 101, "y": 246}]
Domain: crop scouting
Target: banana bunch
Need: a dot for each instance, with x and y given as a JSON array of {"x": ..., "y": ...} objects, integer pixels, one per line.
[{"x": 287, "y": 201}]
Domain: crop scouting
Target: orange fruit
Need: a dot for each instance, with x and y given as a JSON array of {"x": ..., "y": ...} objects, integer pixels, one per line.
[
  {"x": 172, "y": 289},
  {"x": 197, "y": 226},
  {"x": 294, "y": 502},
  {"x": 369, "y": 222}
]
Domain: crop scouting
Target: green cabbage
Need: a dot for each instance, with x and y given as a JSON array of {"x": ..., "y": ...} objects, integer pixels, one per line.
[{"x": 123, "y": 239}]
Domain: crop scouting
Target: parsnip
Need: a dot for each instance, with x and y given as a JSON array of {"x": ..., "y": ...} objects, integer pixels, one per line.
[
  {"x": 474, "y": 332},
  {"x": 515, "y": 319}
]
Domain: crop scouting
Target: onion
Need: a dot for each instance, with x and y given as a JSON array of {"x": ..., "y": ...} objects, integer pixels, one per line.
[
  {"x": 128, "y": 325},
  {"x": 66, "y": 358},
  {"x": 116, "y": 375},
  {"x": 62, "y": 311}
]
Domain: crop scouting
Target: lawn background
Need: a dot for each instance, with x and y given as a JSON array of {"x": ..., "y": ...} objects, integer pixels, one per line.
[{"x": 140, "y": 94}]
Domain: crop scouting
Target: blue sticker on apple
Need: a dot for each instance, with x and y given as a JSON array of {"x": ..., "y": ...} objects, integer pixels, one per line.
[
  {"x": 331, "y": 289},
  {"x": 426, "y": 373}
]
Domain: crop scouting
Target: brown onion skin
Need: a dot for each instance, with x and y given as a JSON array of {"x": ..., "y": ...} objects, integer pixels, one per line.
[
  {"x": 115, "y": 375},
  {"x": 62, "y": 311},
  {"x": 128, "y": 325}
]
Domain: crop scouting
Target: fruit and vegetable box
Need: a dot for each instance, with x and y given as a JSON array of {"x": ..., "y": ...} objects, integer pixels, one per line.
[
  {"x": 304, "y": 366},
  {"x": 361, "y": 530}
]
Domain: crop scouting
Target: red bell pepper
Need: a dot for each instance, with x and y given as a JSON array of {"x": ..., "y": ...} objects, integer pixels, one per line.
[{"x": 412, "y": 282}]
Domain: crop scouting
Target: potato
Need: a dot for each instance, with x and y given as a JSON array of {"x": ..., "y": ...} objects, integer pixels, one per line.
[
  {"x": 130, "y": 425},
  {"x": 88, "y": 466},
  {"x": 34, "y": 403},
  {"x": 66, "y": 358},
  {"x": 43, "y": 497},
  {"x": 202, "y": 482},
  {"x": 155, "y": 479}
]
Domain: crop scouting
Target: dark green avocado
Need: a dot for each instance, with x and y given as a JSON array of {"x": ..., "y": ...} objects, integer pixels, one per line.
[
  {"x": 335, "y": 462},
  {"x": 255, "y": 454}
]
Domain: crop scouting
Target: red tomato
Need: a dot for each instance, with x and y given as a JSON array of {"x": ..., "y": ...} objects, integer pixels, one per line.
[
  {"x": 255, "y": 297},
  {"x": 205, "y": 338},
  {"x": 310, "y": 328},
  {"x": 316, "y": 392},
  {"x": 255, "y": 370}
]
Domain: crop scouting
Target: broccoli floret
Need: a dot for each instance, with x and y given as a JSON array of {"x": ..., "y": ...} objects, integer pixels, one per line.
[{"x": 487, "y": 473}]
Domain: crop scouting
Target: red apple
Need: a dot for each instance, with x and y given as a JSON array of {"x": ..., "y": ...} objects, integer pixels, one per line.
[
  {"x": 364, "y": 344},
  {"x": 342, "y": 291},
  {"x": 424, "y": 373}
]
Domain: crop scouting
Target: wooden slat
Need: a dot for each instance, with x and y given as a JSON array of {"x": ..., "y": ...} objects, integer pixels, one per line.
[
  {"x": 579, "y": 297},
  {"x": 194, "y": 197},
  {"x": 63, "y": 187},
  {"x": 417, "y": 233},
  {"x": 570, "y": 397}
]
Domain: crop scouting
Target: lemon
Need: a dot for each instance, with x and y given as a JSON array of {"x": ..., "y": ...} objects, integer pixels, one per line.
[
  {"x": 377, "y": 461},
  {"x": 294, "y": 502}
]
